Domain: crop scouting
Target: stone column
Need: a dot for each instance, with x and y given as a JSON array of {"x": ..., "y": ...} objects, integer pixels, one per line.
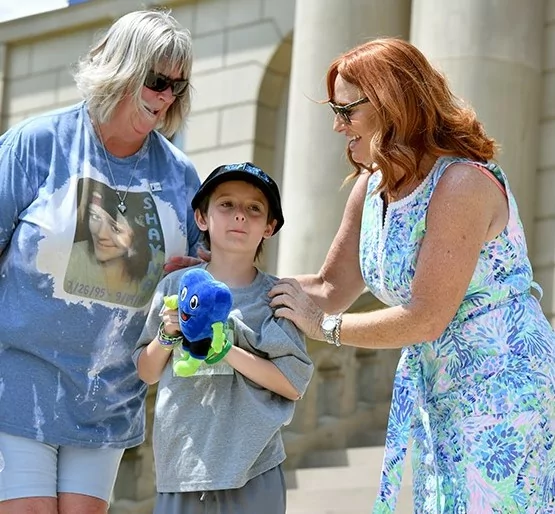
[
  {"x": 315, "y": 161},
  {"x": 491, "y": 51}
]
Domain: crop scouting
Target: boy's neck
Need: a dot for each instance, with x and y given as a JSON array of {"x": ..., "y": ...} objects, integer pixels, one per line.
[{"x": 232, "y": 270}]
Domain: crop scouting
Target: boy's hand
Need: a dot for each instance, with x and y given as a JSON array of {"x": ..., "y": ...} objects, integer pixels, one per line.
[{"x": 170, "y": 316}]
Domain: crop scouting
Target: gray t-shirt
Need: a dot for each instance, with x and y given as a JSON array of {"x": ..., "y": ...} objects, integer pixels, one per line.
[{"x": 217, "y": 429}]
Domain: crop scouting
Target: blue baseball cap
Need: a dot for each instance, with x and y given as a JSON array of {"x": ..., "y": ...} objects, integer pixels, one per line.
[{"x": 247, "y": 172}]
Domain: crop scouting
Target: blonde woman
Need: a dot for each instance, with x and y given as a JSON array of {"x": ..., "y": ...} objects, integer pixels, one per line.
[{"x": 70, "y": 398}]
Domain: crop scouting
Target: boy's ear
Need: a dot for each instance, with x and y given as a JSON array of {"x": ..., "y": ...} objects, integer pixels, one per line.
[
  {"x": 200, "y": 221},
  {"x": 270, "y": 227}
]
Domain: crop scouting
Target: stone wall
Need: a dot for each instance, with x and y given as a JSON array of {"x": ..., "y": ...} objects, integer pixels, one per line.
[{"x": 543, "y": 252}]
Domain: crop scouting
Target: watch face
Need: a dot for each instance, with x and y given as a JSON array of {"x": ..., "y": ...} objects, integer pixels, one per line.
[{"x": 328, "y": 324}]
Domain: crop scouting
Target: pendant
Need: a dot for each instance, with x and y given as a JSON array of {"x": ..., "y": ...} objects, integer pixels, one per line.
[{"x": 121, "y": 207}]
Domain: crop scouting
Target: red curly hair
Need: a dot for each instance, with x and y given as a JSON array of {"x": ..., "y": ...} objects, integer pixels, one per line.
[{"x": 416, "y": 114}]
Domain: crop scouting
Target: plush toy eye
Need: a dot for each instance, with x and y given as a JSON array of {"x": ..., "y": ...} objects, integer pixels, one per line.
[
  {"x": 183, "y": 293},
  {"x": 193, "y": 302}
]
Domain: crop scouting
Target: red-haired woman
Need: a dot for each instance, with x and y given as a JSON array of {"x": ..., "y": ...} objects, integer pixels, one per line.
[{"x": 432, "y": 229}]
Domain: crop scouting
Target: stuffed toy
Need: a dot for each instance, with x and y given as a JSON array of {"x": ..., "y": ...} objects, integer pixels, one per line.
[{"x": 203, "y": 304}]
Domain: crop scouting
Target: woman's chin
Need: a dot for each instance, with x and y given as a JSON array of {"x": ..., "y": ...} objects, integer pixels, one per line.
[{"x": 360, "y": 159}]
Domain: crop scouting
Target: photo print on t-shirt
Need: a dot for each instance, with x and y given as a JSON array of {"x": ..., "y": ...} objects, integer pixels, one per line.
[{"x": 115, "y": 258}]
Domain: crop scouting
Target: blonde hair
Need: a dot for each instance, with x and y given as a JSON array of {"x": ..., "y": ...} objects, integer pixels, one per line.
[
  {"x": 119, "y": 62},
  {"x": 415, "y": 113}
]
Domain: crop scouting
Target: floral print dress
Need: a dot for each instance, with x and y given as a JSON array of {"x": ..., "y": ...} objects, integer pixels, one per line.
[{"x": 479, "y": 401}]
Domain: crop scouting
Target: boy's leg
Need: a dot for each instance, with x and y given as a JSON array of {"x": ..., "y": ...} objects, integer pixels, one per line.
[
  {"x": 265, "y": 493},
  {"x": 183, "y": 503}
]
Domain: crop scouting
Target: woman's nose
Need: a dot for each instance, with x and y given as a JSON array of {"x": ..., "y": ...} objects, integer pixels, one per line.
[
  {"x": 167, "y": 95},
  {"x": 338, "y": 123},
  {"x": 103, "y": 231}
]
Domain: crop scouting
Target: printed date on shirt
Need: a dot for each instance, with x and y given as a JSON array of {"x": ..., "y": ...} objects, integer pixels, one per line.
[{"x": 87, "y": 290}]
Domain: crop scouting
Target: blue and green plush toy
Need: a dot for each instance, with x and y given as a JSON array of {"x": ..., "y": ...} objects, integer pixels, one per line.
[{"x": 203, "y": 304}]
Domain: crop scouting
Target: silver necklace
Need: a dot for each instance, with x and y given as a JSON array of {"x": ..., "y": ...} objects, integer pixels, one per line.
[{"x": 121, "y": 205}]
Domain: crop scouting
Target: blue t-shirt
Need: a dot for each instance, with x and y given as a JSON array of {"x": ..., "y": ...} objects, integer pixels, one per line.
[{"x": 77, "y": 276}]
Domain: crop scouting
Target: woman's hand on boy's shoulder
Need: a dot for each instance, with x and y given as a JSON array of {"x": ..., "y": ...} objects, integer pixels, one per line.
[
  {"x": 186, "y": 261},
  {"x": 175, "y": 263}
]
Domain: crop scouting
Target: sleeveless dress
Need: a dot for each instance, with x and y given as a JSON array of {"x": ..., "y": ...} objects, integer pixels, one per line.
[{"x": 479, "y": 402}]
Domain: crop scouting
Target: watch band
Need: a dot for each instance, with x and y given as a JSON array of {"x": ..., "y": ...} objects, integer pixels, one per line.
[
  {"x": 331, "y": 328},
  {"x": 337, "y": 330}
]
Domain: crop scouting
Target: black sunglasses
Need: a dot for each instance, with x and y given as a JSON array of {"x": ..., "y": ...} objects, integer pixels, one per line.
[
  {"x": 345, "y": 110},
  {"x": 158, "y": 82}
]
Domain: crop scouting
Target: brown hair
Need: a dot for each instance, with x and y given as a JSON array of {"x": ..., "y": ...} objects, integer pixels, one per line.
[{"x": 415, "y": 112}]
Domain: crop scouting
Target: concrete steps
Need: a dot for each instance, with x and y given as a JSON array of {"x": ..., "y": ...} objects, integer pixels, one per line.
[{"x": 341, "y": 482}]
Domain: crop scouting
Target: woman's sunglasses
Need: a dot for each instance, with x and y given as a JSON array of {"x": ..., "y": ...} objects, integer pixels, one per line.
[
  {"x": 158, "y": 82},
  {"x": 345, "y": 110}
]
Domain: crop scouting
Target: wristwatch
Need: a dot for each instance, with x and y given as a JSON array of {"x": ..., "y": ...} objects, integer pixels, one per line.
[{"x": 331, "y": 328}]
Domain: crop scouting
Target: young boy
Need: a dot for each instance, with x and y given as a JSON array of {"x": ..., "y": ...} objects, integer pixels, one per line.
[{"x": 217, "y": 442}]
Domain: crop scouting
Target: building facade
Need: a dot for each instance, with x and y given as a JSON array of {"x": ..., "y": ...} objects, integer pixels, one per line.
[{"x": 258, "y": 75}]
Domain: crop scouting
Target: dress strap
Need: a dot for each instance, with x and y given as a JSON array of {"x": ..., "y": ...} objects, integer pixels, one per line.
[{"x": 486, "y": 172}]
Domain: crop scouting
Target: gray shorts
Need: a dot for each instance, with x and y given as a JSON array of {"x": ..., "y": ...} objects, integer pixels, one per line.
[
  {"x": 265, "y": 493},
  {"x": 29, "y": 468}
]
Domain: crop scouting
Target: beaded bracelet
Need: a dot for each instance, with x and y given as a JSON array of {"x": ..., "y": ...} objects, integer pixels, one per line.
[{"x": 166, "y": 341}]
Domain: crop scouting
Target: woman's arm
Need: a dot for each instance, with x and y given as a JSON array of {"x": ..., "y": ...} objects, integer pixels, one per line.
[
  {"x": 17, "y": 189},
  {"x": 261, "y": 371},
  {"x": 465, "y": 211},
  {"x": 339, "y": 282}
]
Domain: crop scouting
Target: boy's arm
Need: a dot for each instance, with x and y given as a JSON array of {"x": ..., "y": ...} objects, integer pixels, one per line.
[
  {"x": 286, "y": 370},
  {"x": 150, "y": 356},
  {"x": 151, "y": 361},
  {"x": 261, "y": 371}
]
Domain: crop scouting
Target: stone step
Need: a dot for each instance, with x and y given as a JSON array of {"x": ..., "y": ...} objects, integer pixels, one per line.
[
  {"x": 342, "y": 482},
  {"x": 338, "y": 477},
  {"x": 334, "y": 477},
  {"x": 367, "y": 455},
  {"x": 342, "y": 501},
  {"x": 346, "y": 510}
]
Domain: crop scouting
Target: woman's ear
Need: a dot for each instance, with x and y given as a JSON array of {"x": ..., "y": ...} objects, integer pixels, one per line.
[
  {"x": 270, "y": 227},
  {"x": 200, "y": 221}
]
